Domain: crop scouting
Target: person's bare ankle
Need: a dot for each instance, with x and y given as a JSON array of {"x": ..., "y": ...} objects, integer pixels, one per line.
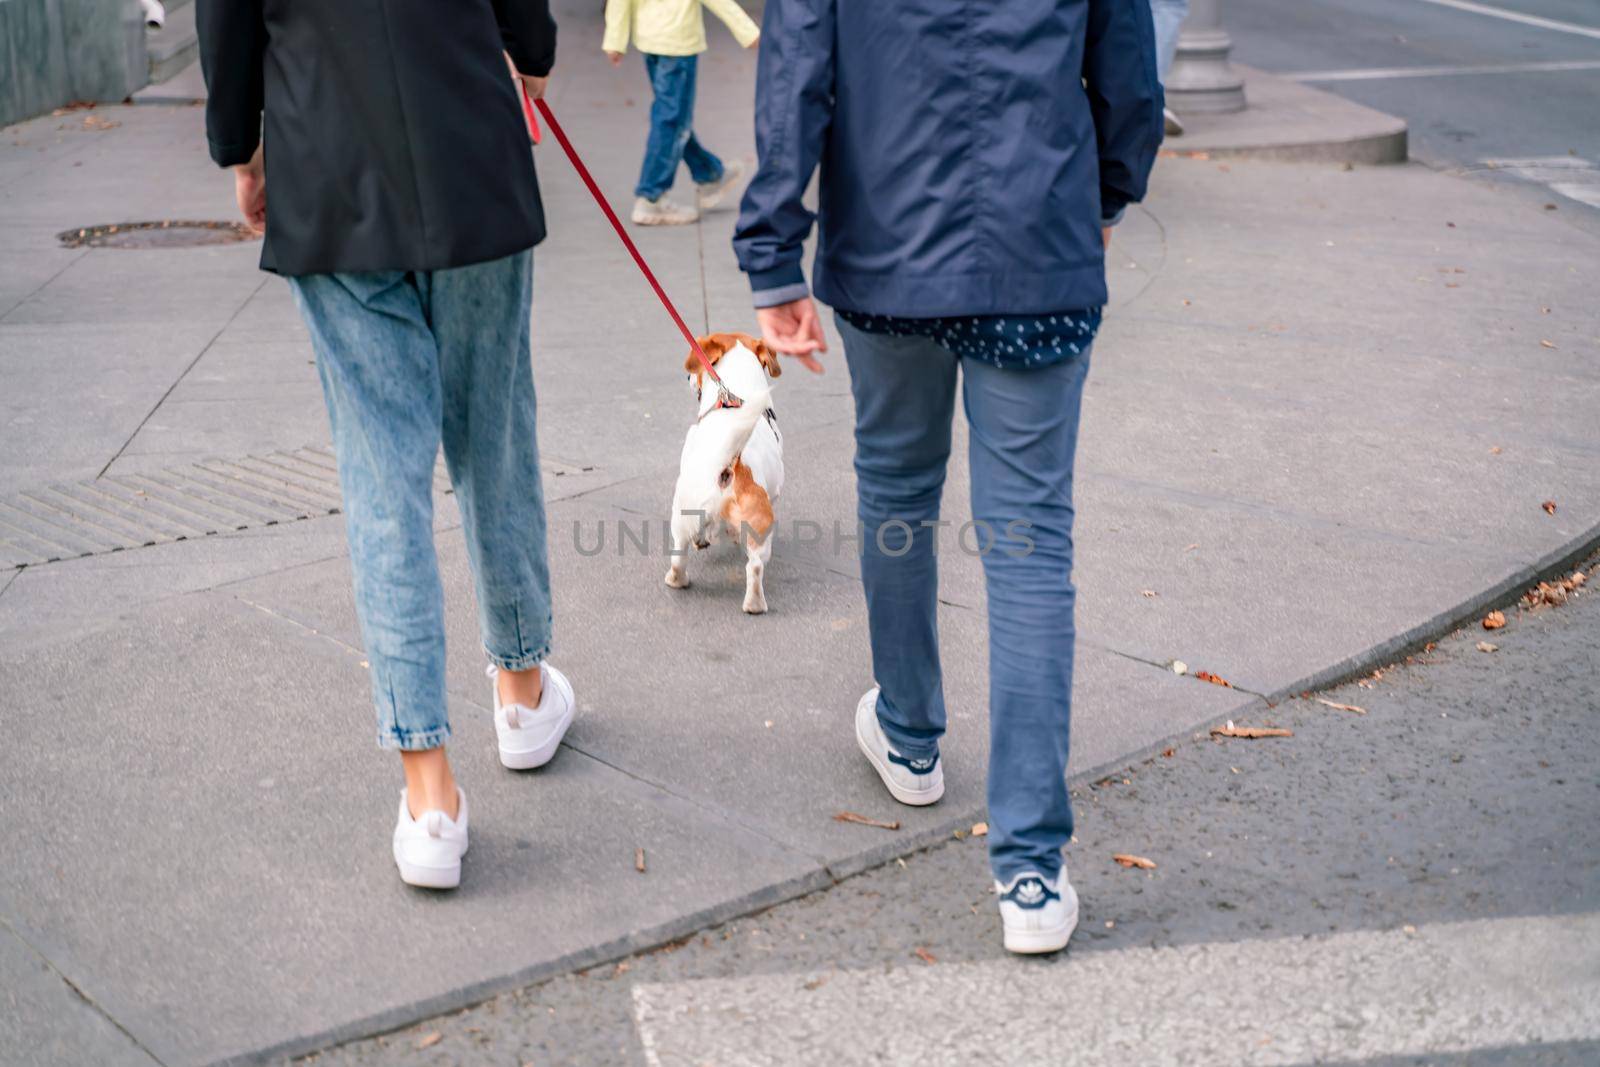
[
  {"x": 430, "y": 784},
  {"x": 521, "y": 687}
]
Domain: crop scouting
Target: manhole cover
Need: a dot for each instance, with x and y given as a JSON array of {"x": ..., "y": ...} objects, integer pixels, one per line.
[{"x": 166, "y": 233}]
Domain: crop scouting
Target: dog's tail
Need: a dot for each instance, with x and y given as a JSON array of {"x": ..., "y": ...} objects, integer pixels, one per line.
[{"x": 741, "y": 422}]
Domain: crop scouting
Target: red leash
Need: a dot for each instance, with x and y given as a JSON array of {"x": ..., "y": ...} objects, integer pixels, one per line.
[{"x": 725, "y": 398}]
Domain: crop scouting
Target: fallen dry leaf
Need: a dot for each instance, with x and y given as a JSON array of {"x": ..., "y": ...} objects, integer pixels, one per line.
[
  {"x": 1191, "y": 548},
  {"x": 1231, "y": 730},
  {"x": 1169, "y": 752},
  {"x": 1577, "y": 579},
  {"x": 925, "y": 956},
  {"x": 1340, "y": 707},
  {"x": 1546, "y": 344},
  {"x": 980, "y": 829},
  {"x": 1129, "y": 860},
  {"x": 850, "y": 816},
  {"x": 1207, "y": 676},
  {"x": 1549, "y": 507},
  {"x": 1494, "y": 620},
  {"x": 1147, "y": 592},
  {"x": 428, "y": 1040},
  {"x": 638, "y": 860},
  {"x": 1484, "y": 646},
  {"x": 1495, "y": 451}
]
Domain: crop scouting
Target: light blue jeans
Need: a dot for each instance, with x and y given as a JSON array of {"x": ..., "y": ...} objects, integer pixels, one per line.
[
  {"x": 1169, "y": 16},
  {"x": 411, "y": 361},
  {"x": 1023, "y": 436}
]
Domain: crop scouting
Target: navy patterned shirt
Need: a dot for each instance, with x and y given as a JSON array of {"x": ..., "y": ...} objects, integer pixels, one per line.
[{"x": 1014, "y": 342}]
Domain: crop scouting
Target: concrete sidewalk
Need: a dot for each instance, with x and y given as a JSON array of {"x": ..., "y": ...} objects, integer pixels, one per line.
[{"x": 1322, "y": 423}]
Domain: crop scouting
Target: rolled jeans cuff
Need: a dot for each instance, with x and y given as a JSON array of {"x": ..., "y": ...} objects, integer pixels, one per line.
[{"x": 394, "y": 737}]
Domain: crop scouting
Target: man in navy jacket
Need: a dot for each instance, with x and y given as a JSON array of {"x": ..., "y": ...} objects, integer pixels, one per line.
[{"x": 972, "y": 159}]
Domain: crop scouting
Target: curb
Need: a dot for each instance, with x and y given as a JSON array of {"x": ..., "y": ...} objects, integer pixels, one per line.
[{"x": 1290, "y": 122}]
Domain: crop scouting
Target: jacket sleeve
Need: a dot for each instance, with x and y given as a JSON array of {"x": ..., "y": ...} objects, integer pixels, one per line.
[
  {"x": 233, "y": 41},
  {"x": 1119, "y": 73},
  {"x": 794, "y": 108},
  {"x": 529, "y": 34},
  {"x": 744, "y": 31},
  {"x": 619, "y": 23}
]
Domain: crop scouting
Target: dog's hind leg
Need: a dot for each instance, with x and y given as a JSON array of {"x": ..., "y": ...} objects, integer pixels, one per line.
[
  {"x": 682, "y": 533},
  {"x": 757, "y": 553}
]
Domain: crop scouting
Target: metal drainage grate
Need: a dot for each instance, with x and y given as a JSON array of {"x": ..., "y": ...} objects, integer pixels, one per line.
[
  {"x": 123, "y": 511},
  {"x": 165, "y": 233}
]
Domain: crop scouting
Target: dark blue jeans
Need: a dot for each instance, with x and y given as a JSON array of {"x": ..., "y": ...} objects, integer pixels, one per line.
[
  {"x": 1022, "y": 440},
  {"x": 672, "y": 137}
]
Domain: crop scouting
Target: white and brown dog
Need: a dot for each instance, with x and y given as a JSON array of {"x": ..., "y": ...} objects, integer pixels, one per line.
[{"x": 731, "y": 471}]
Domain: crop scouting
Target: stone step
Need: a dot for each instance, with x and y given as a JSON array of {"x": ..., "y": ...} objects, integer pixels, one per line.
[{"x": 175, "y": 46}]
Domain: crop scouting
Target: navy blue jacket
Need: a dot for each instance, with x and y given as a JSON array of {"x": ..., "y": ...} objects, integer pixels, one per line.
[{"x": 970, "y": 151}]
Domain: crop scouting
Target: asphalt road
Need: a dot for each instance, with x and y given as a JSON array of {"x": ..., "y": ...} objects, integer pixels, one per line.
[
  {"x": 1483, "y": 88},
  {"x": 1416, "y": 884}
]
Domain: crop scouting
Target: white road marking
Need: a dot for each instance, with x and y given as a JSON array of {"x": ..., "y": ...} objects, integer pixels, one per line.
[
  {"x": 1383, "y": 73},
  {"x": 1570, "y": 176},
  {"x": 1448, "y": 988},
  {"x": 1517, "y": 16}
]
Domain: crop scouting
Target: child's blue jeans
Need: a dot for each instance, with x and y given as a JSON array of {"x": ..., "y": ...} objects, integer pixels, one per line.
[
  {"x": 1022, "y": 437},
  {"x": 411, "y": 361},
  {"x": 672, "y": 138}
]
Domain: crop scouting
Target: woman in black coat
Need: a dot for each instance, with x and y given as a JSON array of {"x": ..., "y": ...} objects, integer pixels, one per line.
[{"x": 403, "y": 209}]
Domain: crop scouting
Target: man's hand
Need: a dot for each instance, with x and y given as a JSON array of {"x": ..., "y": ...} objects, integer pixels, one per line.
[
  {"x": 250, "y": 186},
  {"x": 615, "y": 57},
  {"x": 535, "y": 86},
  {"x": 794, "y": 330}
]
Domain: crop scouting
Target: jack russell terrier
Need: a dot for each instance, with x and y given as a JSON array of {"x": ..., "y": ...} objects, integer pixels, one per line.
[{"x": 731, "y": 471}]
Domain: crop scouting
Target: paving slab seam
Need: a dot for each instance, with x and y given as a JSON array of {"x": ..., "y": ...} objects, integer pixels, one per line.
[
  {"x": 184, "y": 374},
  {"x": 81, "y": 994},
  {"x": 654, "y": 937},
  {"x": 1158, "y": 490},
  {"x": 698, "y": 804},
  {"x": 73, "y": 262}
]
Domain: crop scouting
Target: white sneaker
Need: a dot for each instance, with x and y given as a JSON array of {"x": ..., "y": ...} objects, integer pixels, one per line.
[
  {"x": 916, "y": 782},
  {"x": 529, "y": 737},
  {"x": 1171, "y": 123},
  {"x": 428, "y": 850},
  {"x": 1038, "y": 915},
  {"x": 662, "y": 212},
  {"x": 709, "y": 194}
]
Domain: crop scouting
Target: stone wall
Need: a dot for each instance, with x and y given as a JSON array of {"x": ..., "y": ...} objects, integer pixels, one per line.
[{"x": 55, "y": 51}]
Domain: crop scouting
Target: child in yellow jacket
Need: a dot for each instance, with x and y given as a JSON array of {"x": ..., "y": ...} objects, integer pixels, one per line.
[{"x": 672, "y": 34}]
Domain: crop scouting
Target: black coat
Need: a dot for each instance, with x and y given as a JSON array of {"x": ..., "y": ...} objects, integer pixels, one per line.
[{"x": 393, "y": 135}]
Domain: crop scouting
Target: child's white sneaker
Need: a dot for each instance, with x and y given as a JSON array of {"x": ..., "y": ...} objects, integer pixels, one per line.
[
  {"x": 662, "y": 212},
  {"x": 709, "y": 194},
  {"x": 1038, "y": 915},
  {"x": 528, "y": 736},
  {"x": 910, "y": 781},
  {"x": 428, "y": 849}
]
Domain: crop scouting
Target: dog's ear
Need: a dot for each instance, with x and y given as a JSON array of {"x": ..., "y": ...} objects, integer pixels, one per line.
[
  {"x": 768, "y": 359},
  {"x": 715, "y": 346}
]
